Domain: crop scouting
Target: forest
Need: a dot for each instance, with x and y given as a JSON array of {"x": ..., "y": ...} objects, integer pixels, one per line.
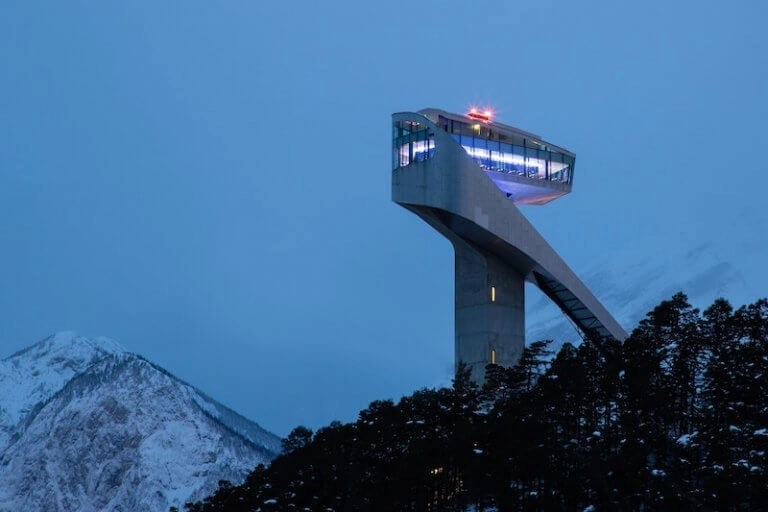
[{"x": 673, "y": 418}]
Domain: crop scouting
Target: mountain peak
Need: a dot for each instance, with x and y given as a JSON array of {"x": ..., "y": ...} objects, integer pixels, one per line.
[
  {"x": 73, "y": 342},
  {"x": 137, "y": 438},
  {"x": 35, "y": 373},
  {"x": 67, "y": 345}
]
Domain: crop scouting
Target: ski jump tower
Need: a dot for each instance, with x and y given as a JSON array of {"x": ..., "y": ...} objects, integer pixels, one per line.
[{"x": 464, "y": 176}]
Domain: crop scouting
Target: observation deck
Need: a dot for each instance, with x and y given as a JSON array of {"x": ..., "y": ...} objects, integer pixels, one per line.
[{"x": 521, "y": 164}]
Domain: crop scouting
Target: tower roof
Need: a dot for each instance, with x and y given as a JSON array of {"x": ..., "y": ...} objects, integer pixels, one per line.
[{"x": 433, "y": 115}]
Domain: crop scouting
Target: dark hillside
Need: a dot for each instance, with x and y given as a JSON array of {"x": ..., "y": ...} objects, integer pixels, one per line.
[{"x": 676, "y": 418}]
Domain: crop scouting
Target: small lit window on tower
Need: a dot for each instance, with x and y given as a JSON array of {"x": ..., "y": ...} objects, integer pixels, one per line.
[
  {"x": 493, "y": 356},
  {"x": 493, "y": 294}
]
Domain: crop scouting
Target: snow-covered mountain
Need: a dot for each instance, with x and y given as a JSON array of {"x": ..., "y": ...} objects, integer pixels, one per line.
[
  {"x": 87, "y": 426},
  {"x": 721, "y": 259}
]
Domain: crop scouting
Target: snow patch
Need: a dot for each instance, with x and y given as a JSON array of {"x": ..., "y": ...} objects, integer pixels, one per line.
[{"x": 685, "y": 439}]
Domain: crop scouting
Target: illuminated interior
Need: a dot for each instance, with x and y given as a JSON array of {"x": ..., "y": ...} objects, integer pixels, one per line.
[
  {"x": 412, "y": 142},
  {"x": 526, "y": 169}
]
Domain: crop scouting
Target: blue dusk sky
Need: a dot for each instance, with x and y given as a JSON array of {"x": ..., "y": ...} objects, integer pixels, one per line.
[{"x": 209, "y": 182}]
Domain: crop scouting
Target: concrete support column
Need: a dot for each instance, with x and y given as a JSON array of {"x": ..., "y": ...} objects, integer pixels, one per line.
[{"x": 490, "y": 310}]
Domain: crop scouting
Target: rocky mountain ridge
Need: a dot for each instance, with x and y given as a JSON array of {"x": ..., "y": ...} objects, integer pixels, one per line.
[{"x": 87, "y": 426}]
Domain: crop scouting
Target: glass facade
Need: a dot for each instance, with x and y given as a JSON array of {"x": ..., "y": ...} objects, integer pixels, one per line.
[
  {"x": 511, "y": 154},
  {"x": 412, "y": 142},
  {"x": 493, "y": 151}
]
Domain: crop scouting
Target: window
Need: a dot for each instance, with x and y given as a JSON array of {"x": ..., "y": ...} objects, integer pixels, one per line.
[
  {"x": 493, "y": 356},
  {"x": 493, "y": 294},
  {"x": 411, "y": 142}
]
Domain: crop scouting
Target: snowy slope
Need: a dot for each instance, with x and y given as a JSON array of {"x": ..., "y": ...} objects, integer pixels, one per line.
[
  {"x": 704, "y": 262},
  {"x": 88, "y": 426},
  {"x": 36, "y": 373}
]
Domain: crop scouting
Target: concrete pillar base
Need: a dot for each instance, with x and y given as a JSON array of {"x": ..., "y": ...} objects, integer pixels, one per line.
[{"x": 490, "y": 310}]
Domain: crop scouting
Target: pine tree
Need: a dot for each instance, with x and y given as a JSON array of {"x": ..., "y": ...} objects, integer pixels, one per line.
[{"x": 298, "y": 438}]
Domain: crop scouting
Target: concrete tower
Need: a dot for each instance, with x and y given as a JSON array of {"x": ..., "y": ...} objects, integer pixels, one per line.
[{"x": 464, "y": 174}]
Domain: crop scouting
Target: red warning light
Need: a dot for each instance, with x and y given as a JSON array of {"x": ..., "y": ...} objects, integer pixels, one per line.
[{"x": 478, "y": 115}]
